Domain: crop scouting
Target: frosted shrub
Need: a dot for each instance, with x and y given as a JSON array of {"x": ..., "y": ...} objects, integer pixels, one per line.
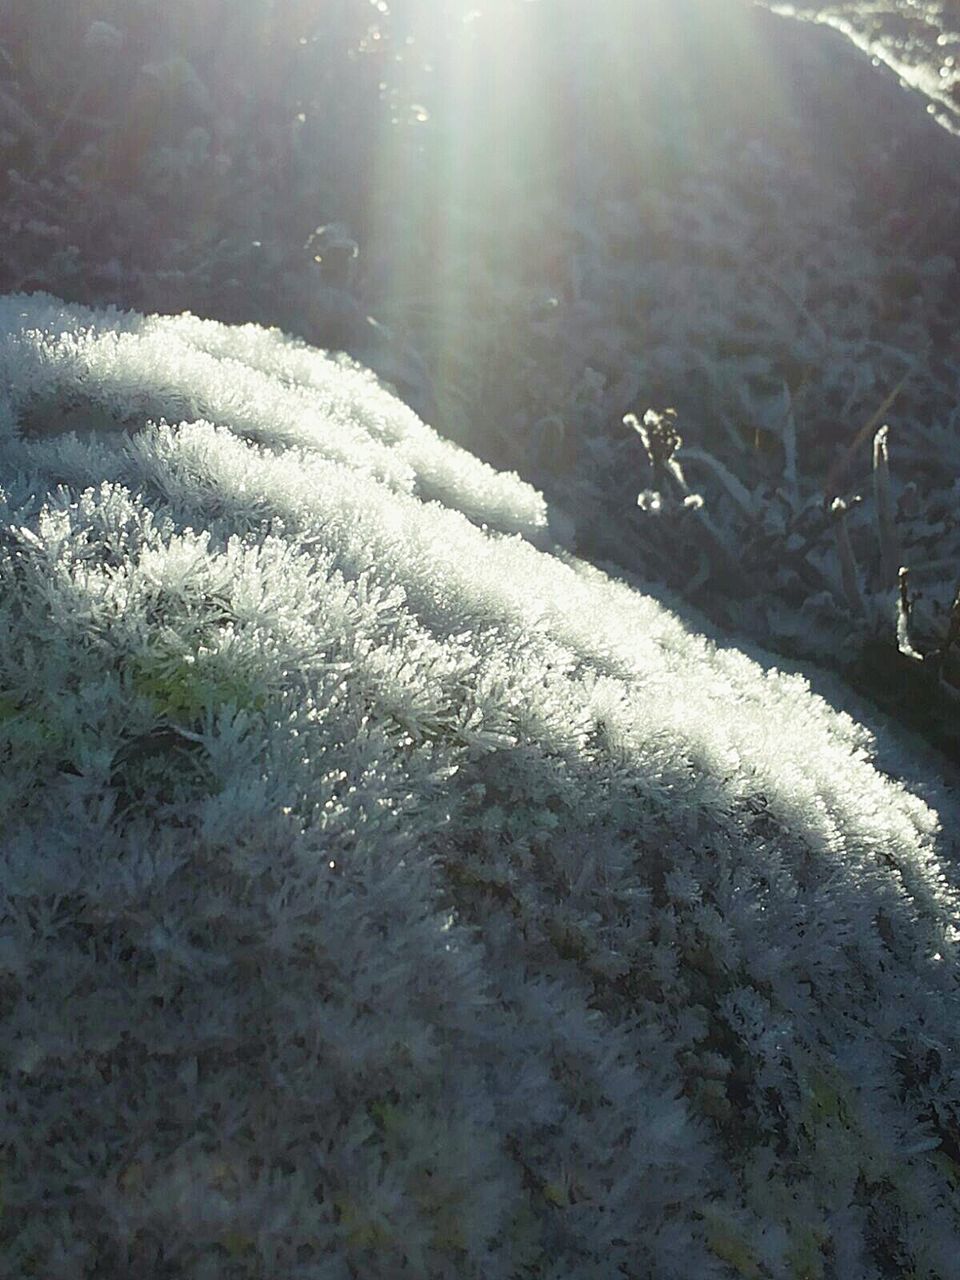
[{"x": 381, "y": 894}]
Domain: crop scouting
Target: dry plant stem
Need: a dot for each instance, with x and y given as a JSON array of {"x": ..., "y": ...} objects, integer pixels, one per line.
[
  {"x": 840, "y": 467},
  {"x": 889, "y": 549},
  {"x": 718, "y": 549},
  {"x": 849, "y": 575},
  {"x": 904, "y": 607}
]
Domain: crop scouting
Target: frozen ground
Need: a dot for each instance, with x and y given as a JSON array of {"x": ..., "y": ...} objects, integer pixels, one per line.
[{"x": 381, "y": 895}]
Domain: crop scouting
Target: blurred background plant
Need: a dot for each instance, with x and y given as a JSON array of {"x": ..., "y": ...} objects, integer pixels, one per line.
[{"x": 542, "y": 221}]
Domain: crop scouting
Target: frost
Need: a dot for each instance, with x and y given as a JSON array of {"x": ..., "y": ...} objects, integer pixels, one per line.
[{"x": 377, "y": 885}]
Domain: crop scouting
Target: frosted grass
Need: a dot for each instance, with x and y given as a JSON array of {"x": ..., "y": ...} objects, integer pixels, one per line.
[{"x": 379, "y": 890}]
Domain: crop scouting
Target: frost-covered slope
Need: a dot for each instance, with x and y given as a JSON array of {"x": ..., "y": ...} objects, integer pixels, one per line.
[{"x": 381, "y": 894}]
